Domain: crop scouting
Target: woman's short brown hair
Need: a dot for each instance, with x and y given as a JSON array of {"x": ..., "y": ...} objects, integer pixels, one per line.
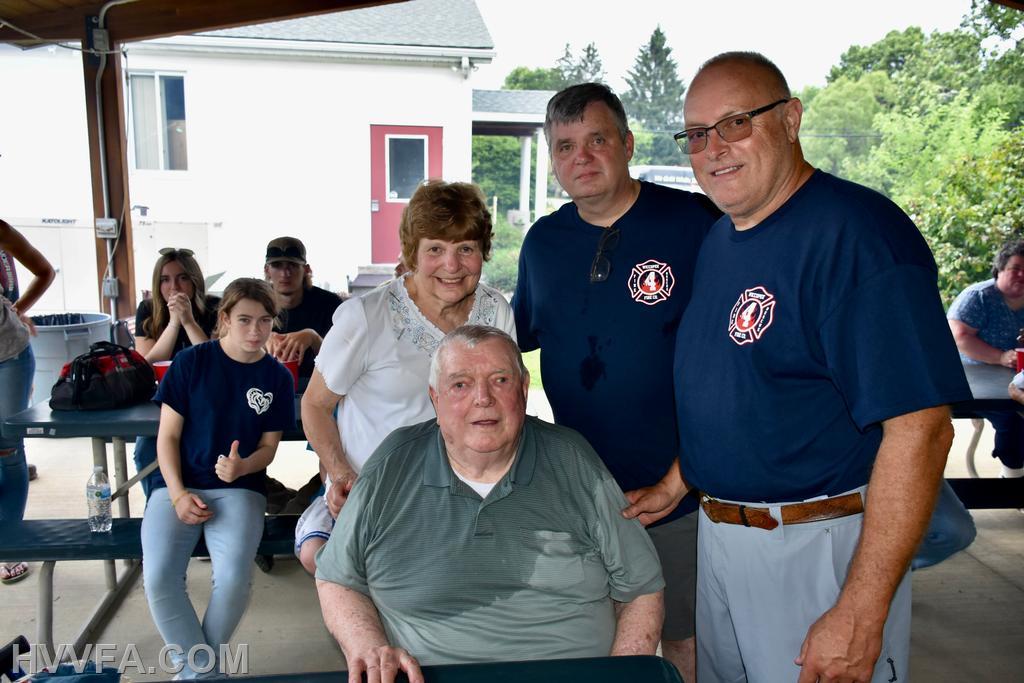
[
  {"x": 245, "y": 288},
  {"x": 453, "y": 212}
]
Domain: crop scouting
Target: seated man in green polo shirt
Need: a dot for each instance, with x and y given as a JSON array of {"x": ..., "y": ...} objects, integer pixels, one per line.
[{"x": 485, "y": 535}]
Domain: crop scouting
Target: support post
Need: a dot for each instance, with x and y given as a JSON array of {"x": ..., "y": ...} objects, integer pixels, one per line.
[
  {"x": 540, "y": 192},
  {"x": 525, "y": 143},
  {"x": 106, "y": 114}
]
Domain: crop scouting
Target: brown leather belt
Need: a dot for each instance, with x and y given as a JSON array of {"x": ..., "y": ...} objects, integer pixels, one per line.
[{"x": 794, "y": 513}]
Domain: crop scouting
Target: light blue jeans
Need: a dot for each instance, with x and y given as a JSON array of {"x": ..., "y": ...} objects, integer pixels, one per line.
[
  {"x": 950, "y": 530},
  {"x": 15, "y": 388},
  {"x": 232, "y": 536}
]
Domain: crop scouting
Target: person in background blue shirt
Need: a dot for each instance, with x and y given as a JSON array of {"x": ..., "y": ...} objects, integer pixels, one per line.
[
  {"x": 986, "y": 319},
  {"x": 224, "y": 406}
]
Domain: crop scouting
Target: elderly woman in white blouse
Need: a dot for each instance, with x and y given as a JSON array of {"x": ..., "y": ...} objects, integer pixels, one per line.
[{"x": 374, "y": 363}]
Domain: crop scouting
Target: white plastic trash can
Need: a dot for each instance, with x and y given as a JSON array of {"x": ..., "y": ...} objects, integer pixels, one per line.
[{"x": 62, "y": 336}]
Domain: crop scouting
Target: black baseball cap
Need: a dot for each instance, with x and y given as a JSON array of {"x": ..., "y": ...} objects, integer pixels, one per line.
[{"x": 286, "y": 249}]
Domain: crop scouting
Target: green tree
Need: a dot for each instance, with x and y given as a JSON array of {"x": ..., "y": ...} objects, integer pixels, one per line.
[
  {"x": 502, "y": 270},
  {"x": 654, "y": 98},
  {"x": 889, "y": 55},
  {"x": 978, "y": 205},
  {"x": 1000, "y": 32},
  {"x": 838, "y": 121},
  {"x": 918, "y": 145},
  {"x": 587, "y": 68},
  {"x": 540, "y": 78},
  {"x": 496, "y": 169}
]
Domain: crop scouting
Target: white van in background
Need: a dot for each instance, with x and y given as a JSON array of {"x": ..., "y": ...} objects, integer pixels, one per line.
[{"x": 679, "y": 177}]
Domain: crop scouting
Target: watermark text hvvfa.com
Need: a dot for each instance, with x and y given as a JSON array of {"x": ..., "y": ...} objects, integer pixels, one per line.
[{"x": 170, "y": 660}]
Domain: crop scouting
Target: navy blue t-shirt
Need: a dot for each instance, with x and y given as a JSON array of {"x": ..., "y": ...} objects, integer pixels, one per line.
[
  {"x": 606, "y": 348},
  {"x": 223, "y": 400},
  {"x": 803, "y": 334},
  {"x": 316, "y": 312}
]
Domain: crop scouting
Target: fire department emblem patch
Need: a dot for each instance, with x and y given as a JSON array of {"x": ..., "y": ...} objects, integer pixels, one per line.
[
  {"x": 651, "y": 282},
  {"x": 751, "y": 316}
]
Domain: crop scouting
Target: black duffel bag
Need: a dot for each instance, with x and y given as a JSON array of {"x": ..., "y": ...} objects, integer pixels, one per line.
[{"x": 106, "y": 376}]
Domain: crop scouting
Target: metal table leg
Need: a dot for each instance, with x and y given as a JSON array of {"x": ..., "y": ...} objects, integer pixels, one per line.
[
  {"x": 117, "y": 587},
  {"x": 121, "y": 475},
  {"x": 44, "y": 610}
]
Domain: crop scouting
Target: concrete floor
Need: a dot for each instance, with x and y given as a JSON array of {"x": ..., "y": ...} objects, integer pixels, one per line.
[{"x": 968, "y": 623}]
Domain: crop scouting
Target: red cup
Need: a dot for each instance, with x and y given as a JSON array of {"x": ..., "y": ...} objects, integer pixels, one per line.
[
  {"x": 293, "y": 367},
  {"x": 160, "y": 368},
  {"x": 1020, "y": 359}
]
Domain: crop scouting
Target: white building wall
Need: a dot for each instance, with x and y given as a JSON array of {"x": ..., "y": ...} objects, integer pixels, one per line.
[
  {"x": 45, "y": 190},
  {"x": 281, "y": 147},
  {"x": 275, "y": 146}
]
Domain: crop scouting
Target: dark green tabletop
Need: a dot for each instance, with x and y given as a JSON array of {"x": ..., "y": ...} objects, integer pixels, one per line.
[{"x": 637, "y": 669}]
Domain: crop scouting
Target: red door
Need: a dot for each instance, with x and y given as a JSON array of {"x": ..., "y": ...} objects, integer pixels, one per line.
[{"x": 401, "y": 157}]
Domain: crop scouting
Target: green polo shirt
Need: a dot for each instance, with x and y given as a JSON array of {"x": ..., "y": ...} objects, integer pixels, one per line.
[{"x": 530, "y": 572}]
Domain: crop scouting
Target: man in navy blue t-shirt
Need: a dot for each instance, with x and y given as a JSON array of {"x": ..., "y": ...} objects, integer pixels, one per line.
[
  {"x": 602, "y": 285},
  {"x": 813, "y": 367}
]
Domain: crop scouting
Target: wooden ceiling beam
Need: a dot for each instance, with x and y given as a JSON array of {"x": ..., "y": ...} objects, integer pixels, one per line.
[{"x": 147, "y": 19}]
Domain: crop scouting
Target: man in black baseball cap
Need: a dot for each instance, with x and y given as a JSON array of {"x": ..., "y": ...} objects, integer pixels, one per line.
[{"x": 306, "y": 311}]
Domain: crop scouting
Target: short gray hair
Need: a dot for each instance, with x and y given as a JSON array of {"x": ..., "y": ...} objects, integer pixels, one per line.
[
  {"x": 567, "y": 106},
  {"x": 752, "y": 59},
  {"x": 1010, "y": 249},
  {"x": 469, "y": 336}
]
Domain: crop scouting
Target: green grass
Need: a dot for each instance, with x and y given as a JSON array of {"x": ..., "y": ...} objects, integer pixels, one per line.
[{"x": 532, "y": 361}]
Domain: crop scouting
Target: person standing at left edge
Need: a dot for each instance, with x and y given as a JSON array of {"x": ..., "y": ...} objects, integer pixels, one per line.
[
  {"x": 602, "y": 285},
  {"x": 813, "y": 368}
]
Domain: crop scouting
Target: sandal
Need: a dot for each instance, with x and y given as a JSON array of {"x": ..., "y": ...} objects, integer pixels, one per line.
[{"x": 13, "y": 572}]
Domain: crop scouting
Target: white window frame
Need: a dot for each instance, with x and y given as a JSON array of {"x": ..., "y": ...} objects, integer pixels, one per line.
[{"x": 161, "y": 122}]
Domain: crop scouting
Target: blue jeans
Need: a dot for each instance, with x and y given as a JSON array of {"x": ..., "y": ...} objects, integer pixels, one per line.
[
  {"x": 950, "y": 530},
  {"x": 1009, "y": 441},
  {"x": 232, "y": 536},
  {"x": 15, "y": 388},
  {"x": 145, "y": 453}
]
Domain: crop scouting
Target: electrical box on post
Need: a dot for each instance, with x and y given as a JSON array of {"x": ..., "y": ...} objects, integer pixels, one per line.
[{"x": 106, "y": 228}]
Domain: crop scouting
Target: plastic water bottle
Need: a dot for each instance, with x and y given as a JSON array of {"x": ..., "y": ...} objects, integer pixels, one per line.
[{"x": 97, "y": 495}]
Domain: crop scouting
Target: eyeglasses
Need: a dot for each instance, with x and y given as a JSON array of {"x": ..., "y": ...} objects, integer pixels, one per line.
[
  {"x": 601, "y": 268},
  {"x": 166, "y": 251},
  {"x": 732, "y": 129}
]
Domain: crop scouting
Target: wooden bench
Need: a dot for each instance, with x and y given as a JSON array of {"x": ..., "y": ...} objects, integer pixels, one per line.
[{"x": 53, "y": 540}]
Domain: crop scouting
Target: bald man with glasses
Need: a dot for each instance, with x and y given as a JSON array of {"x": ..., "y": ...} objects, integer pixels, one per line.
[{"x": 813, "y": 371}]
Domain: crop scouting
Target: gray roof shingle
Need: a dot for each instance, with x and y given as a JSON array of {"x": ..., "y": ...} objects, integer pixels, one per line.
[
  {"x": 512, "y": 101},
  {"x": 434, "y": 23}
]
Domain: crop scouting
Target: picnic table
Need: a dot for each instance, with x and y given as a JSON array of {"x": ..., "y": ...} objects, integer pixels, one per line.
[
  {"x": 115, "y": 426},
  {"x": 988, "y": 386}
]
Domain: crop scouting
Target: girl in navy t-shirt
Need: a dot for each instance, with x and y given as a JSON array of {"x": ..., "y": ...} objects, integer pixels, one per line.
[{"x": 224, "y": 405}]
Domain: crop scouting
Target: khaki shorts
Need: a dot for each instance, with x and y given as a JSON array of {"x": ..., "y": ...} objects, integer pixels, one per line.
[{"x": 676, "y": 543}]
